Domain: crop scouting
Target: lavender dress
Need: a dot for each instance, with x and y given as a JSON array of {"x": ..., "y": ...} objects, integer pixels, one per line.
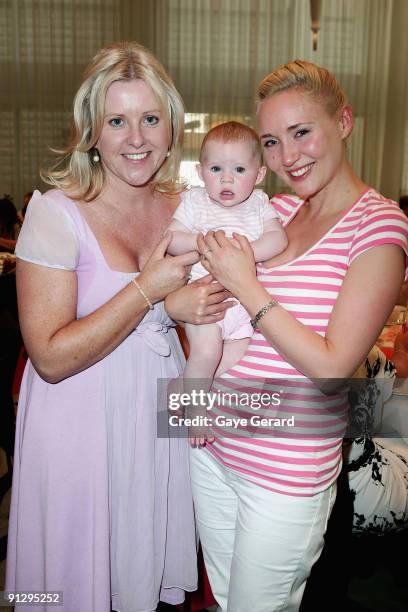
[{"x": 101, "y": 507}]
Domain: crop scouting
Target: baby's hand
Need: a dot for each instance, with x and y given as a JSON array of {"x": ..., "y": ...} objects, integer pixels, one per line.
[
  {"x": 199, "y": 435},
  {"x": 199, "y": 440}
]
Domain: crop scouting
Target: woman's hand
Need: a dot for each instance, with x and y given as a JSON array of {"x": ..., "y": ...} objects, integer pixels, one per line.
[
  {"x": 163, "y": 273},
  {"x": 233, "y": 266},
  {"x": 200, "y": 302}
]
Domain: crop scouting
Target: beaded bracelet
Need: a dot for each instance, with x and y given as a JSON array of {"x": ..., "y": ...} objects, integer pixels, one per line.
[
  {"x": 142, "y": 293},
  {"x": 263, "y": 312}
]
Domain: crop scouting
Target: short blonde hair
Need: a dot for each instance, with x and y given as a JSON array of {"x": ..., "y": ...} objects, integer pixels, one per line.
[
  {"x": 305, "y": 76},
  {"x": 74, "y": 171},
  {"x": 233, "y": 131}
]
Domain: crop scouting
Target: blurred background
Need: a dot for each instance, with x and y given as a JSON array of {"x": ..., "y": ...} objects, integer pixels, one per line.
[{"x": 216, "y": 51}]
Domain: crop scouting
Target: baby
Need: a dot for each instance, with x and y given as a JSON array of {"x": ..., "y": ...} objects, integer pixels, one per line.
[{"x": 230, "y": 167}]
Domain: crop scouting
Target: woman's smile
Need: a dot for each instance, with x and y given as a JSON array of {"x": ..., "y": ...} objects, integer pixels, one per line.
[{"x": 300, "y": 173}]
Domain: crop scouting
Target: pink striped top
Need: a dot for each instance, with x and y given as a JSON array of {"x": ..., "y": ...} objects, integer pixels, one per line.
[{"x": 307, "y": 458}]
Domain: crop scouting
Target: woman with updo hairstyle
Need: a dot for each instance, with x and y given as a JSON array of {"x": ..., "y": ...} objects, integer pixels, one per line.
[
  {"x": 263, "y": 497},
  {"x": 101, "y": 502}
]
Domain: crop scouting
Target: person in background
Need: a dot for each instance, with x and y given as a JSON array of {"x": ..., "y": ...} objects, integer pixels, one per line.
[
  {"x": 373, "y": 486},
  {"x": 402, "y": 299},
  {"x": 262, "y": 503},
  {"x": 400, "y": 355},
  {"x": 377, "y": 474},
  {"x": 101, "y": 506},
  {"x": 26, "y": 200},
  {"x": 9, "y": 224},
  {"x": 9, "y": 333}
]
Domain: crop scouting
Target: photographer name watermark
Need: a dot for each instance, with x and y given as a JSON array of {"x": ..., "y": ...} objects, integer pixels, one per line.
[{"x": 235, "y": 422}]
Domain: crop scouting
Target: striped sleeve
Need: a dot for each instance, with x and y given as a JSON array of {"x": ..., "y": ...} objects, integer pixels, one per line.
[
  {"x": 384, "y": 223},
  {"x": 285, "y": 205}
]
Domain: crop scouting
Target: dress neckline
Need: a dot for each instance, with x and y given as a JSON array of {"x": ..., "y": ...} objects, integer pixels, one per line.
[{"x": 93, "y": 237}]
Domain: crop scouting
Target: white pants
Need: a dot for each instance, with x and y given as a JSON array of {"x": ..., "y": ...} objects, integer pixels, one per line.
[{"x": 258, "y": 546}]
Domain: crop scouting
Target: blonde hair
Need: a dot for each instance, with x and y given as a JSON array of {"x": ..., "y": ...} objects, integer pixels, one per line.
[
  {"x": 233, "y": 131},
  {"x": 74, "y": 171},
  {"x": 308, "y": 77}
]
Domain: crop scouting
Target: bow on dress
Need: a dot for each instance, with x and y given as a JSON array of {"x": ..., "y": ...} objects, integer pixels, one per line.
[{"x": 153, "y": 335}]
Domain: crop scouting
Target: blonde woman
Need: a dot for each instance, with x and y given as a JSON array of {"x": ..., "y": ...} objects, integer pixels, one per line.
[
  {"x": 262, "y": 504},
  {"x": 101, "y": 508}
]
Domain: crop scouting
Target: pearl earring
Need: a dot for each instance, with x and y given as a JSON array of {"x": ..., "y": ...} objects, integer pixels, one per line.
[
  {"x": 95, "y": 157},
  {"x": 168, "y": 154}
]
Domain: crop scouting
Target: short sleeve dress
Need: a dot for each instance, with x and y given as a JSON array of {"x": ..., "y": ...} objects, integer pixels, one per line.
[{"x": 101, "y": 506}]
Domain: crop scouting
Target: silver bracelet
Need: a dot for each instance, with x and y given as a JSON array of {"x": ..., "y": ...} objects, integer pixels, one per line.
[
  {"x": 263, "y": 312},
  {"x": 142, "y": 293}
]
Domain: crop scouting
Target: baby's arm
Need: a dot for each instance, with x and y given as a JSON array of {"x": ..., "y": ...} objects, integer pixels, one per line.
[
  {"x": 183, "y": 239},
  {"x": 272, "y": 242}
]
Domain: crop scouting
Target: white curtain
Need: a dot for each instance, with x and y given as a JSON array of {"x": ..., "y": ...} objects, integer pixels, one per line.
[
  {"x": 219, "y": 50},
  {"x": 394, "y": 166},
  {"x": 216, "y": 51},
  {"x": 45, "y": 45}
]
